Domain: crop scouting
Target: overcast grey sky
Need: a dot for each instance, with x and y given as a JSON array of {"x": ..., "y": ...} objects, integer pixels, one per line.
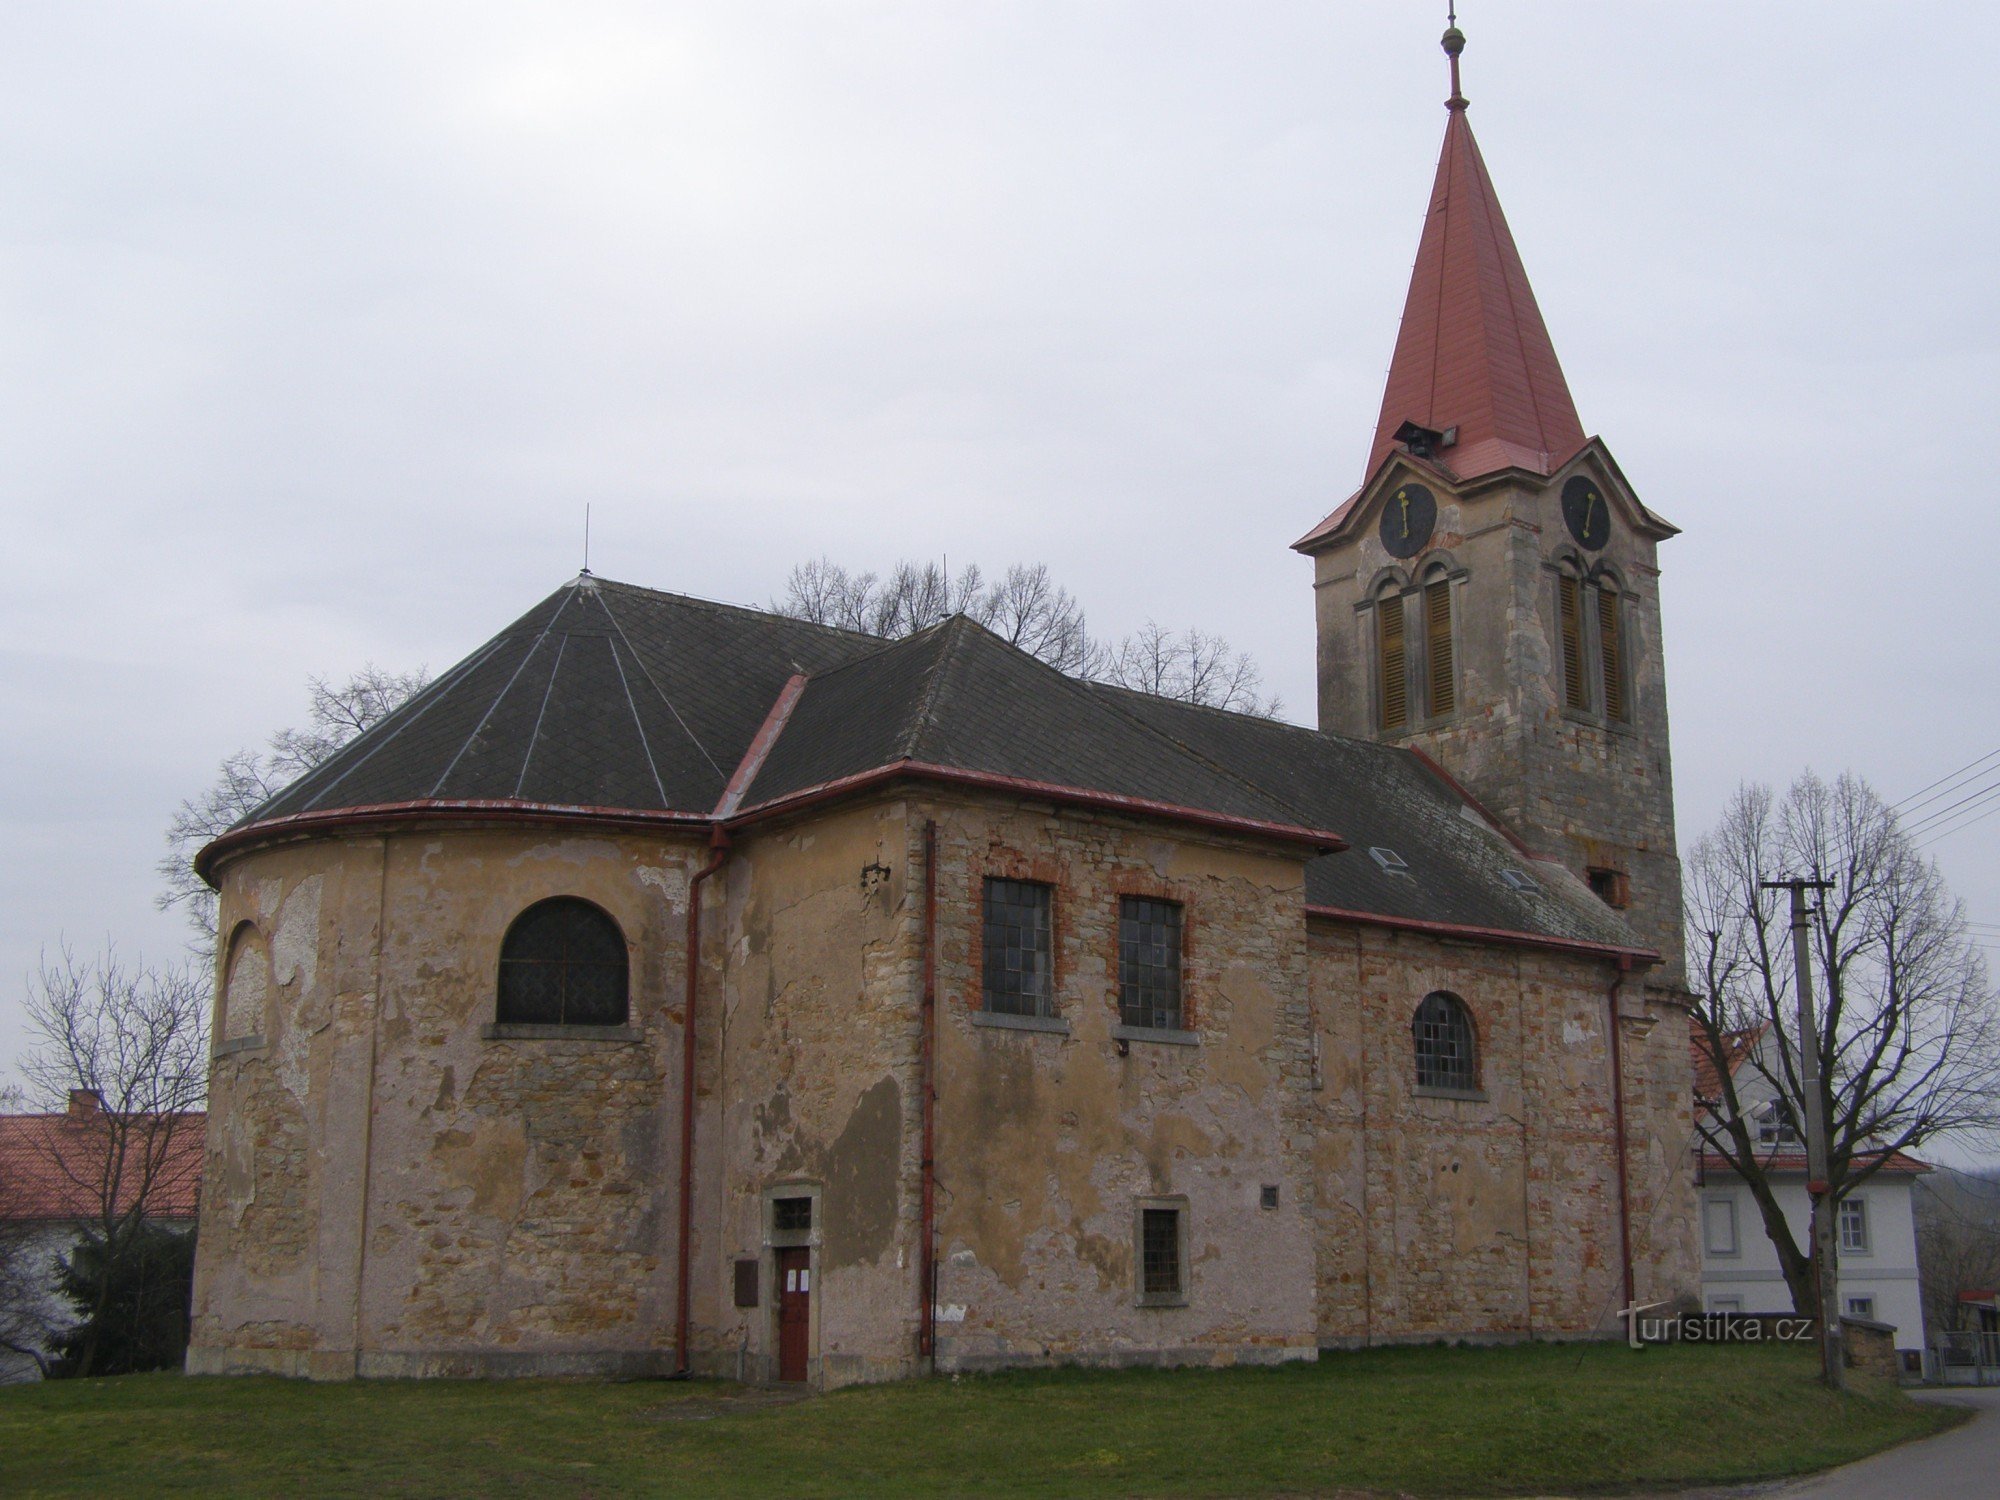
[{"x": 322, "y": 323}]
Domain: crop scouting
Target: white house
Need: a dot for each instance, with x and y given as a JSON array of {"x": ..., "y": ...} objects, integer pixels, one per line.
[{"x": 1878, "y": 1229}]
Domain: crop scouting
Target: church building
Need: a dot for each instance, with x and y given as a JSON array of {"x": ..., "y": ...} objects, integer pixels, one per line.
[{"x": 676, "y": 987}]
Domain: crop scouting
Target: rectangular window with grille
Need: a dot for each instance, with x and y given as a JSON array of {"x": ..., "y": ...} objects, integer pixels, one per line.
[
  {"x": 1576, "y": 687},
  {"x": 1611, "y": 655},
  {"x": 1149, "y": 963},
  {"x": 1019, "y": 974},
  {"x": 1160, "y": 1257},
  {"x": 1394, "y": 664},
  {"x": 1441, "y": 670}
]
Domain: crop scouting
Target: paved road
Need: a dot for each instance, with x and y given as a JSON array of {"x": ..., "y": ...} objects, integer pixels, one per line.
[{"x": 1963, "y": 1464}]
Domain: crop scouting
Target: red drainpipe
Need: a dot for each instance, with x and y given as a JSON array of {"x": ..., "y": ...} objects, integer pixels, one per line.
[
  {"x": 718, "y": 843},
  {"x": 1618, "y": 1128},
  {"x": 927, "y": 1289}
]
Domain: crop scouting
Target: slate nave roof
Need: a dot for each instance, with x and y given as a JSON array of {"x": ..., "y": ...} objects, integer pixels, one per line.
[{"x": 610, "y": 699}]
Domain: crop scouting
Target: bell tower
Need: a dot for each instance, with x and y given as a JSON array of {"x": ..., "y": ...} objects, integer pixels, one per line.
[{"x": 1489, "y": 597}]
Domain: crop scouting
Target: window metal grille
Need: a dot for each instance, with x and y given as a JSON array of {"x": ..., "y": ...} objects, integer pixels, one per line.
[
  {"x": 1446, "y": 1058},
  {"x": 563, "y": 963},
  {"x": 1160, "y": 1252},
  {"x": 1442, "y": 670},
  {"x": 1149, "y": 963},
  {"x": 1019, "y": 976},
  {"x": 1854, "y": 1225},
  {"x": 791, "y": 1215},
  {"x": 1777, "y": 1125},
  {"x": 1394, "y": 664}
]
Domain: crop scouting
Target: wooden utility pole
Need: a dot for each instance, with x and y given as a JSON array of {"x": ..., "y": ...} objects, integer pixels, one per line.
[{"x": 1825, "y": 1263}]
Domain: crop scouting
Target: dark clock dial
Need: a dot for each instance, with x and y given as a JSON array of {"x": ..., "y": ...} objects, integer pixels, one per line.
[
  {"x": 1408, "y": 519},
  {"x": 1585, "y": 513}
]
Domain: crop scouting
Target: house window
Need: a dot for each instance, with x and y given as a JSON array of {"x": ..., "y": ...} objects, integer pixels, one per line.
[
  {"x": 1440, "y": 671},
  {"x": 563, "y": 963},
  {"x": 1854, "y": 1226},
  {"x": 1019, "y": 977},
  {"x": 1392, "y": 660},
  {"x": 1861, "y": 1307},
  {"x": 1162, "y": 1254},
  {"x": 1718, "y": 1217},
  {"x": 1776, "y": 1124},
  {"x": 1725, "y": 1304},
  {"x": 1149, "y": 963},
  {"x": 1446, "y": 1055}
]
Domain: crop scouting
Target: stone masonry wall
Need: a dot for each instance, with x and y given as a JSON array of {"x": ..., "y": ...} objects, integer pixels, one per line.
[
  {"x": 1494, "y": 1217},
  {"x": 1049, "y": 1140}
]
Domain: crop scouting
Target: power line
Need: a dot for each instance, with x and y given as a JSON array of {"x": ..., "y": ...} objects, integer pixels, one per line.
[
  {"x": 1960, "y": 827},
  {"x": 1919, "y": 792},
  {"x": 1925, "y": 827}
]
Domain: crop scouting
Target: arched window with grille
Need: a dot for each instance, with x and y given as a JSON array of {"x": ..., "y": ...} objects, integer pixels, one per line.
[
  {"x": 1447, "y": 1051},
  {"x": 563, "y": 963}
]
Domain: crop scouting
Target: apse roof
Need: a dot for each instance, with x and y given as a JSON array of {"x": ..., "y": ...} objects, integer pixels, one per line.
[{"x": 611, "y": 698}]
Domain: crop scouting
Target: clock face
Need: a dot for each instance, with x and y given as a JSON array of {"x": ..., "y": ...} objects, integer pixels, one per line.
[
  {"x": 1408, "y": 519},
  {"x": 1585, "y": 513}
]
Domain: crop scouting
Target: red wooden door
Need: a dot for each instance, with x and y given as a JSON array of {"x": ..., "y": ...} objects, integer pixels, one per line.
[{"x": 794, "y": 1312}]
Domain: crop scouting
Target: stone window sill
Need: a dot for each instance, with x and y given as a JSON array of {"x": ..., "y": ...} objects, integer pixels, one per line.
[
  {"x": 1162, "y": 1299},
  {"x": 1471, "y": 1096},
  {"x": 236, "y": 1044},
  {"x": 1124, "y": 1033},
  {"x": 1001, "y": 1020},
  {"x": 517, "y": 1031}
]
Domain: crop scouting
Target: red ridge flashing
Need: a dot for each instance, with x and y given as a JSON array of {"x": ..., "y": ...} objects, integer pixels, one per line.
[
  {"x": 1497, "y": 825},
  {"x": 1485, "y": 934},
  {"x": 760, "y": 745}
]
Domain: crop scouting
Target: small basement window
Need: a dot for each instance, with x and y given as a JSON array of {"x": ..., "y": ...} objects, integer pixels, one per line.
[{"x": 1391, "y": 862}]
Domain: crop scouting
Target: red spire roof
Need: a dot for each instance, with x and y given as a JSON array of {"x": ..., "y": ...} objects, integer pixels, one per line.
[{"x": 1473, "y": 352}]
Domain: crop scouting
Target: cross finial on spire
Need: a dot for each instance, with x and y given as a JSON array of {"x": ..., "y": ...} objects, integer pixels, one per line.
[{"x": 1454, "y": 43}]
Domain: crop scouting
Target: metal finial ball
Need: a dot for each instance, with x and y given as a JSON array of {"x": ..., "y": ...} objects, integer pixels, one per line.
[{"x": 1454, "y": 41}]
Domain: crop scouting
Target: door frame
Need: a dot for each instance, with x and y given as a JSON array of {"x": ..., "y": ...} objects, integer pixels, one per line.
[{"x": 776, "y": 1240}]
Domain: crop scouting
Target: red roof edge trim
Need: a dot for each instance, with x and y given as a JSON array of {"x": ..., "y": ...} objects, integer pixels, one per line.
[
  {"x": 298, "y": 825},
  {"x": 1644, "y": 956},
  {"x": 1900, "y": 1163},
  {"x": 1319, "y": 839}
]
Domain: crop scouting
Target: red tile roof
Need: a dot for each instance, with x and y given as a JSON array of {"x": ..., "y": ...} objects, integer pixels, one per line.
[
  {"x": 48, "y": 1161},
  {"x": 1736, "y": 1046},
  {"x": 1473, "y": 352}
]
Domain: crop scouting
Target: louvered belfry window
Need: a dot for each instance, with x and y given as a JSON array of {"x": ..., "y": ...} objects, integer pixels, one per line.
[
  {"x": 1576, "y": 687},
  {"x": 1611, "y": 653},
  {"x": 1395, "y": 661},
  {"x": 1440, "y": 668},
  {"x": 1447, "y": 1056},
  {"x": 563, "y": 963}
]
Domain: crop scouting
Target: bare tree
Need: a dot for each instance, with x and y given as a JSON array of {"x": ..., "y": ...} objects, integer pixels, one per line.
[
  {"x": 1190, "y": 665},
  {"x": 250, "y": 778},
  {"x": 1909, "y": 1042},
  {"x": 1027, "y": 608},
  {"x": 124, "y": 1051}
]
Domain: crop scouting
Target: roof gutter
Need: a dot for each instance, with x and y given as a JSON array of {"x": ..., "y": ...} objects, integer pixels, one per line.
[{"x": 1644, "y": 957}]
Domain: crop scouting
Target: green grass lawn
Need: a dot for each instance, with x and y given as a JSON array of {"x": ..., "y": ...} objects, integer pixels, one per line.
[{"x": 1534, "y": 1419}]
